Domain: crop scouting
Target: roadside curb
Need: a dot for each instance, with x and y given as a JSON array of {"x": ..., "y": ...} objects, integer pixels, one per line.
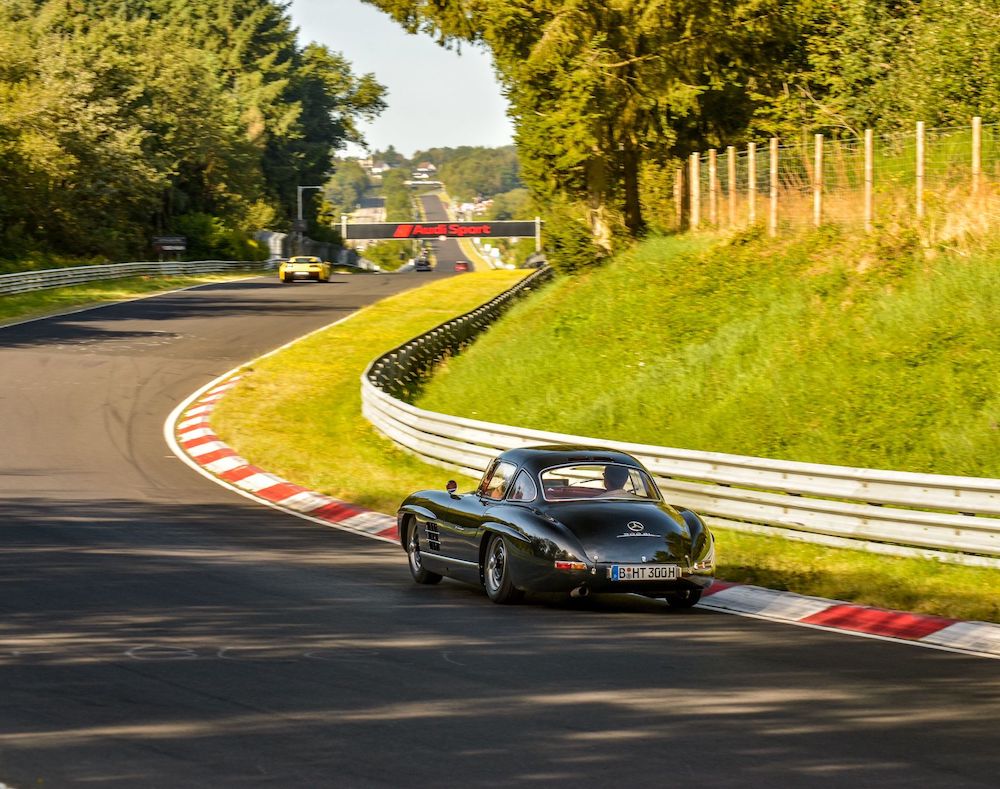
[
  {"x": 190, "y": 435},
  {"x": 196, "y": 443},
  {"x": 977, "y": 638}
]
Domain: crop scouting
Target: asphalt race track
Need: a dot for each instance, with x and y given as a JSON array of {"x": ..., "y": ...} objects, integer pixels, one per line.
[
  {"x": 446, "y": 250},
  {"x": 160, "y": 631}
]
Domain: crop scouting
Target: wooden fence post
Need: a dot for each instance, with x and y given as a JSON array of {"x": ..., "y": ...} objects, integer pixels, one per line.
[
  {"x": 869, "y": 180},
  {"x": 695, "y": 190},
  {"x": 977, "y": 154},
  {"x": 713, "y": 187},
  {"x": 818, "y": 181},
  {"x": 679, "y": 198},
  {"x": 772, "y": 220},
  {"x": 751, "y": 182},
  {"x": 731, "y": 171},
  {"x": 920, "y": 169}
]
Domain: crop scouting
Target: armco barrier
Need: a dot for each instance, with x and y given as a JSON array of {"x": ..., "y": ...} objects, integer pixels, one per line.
[
  {"x": 23, "y": 281},
  {"x": 948, "y": 518}
]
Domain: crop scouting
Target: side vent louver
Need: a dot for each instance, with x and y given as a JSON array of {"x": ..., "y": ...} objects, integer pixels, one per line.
[{"x": 433, "y": 537}]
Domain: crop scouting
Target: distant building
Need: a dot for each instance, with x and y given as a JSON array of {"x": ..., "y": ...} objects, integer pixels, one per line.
[{"x": 424, "y": 171}]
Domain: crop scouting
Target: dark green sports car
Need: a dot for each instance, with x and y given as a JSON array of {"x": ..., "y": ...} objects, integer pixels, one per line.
[{"x": 559, "y": 519}]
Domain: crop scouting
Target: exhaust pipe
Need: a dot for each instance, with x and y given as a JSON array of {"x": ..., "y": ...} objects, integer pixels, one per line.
[{"x": 580, "y": 591}]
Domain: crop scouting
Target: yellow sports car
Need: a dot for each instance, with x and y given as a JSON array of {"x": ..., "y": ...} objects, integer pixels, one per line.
[{"x": 302, "y": 267}]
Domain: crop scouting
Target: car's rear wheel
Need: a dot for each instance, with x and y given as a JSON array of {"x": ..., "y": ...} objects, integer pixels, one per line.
[
  {"x": 496, "y": 572},
  {"x": 417, "y": 570},
  {"x": 685, "y": 598}
]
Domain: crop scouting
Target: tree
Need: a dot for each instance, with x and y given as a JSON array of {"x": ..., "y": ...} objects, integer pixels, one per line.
[
  {"x": 471, "y": 171},
  {"x": 398, "y": 205},
  {"x": 121, "y": 119},
  {"x": 344, "y": 190},
  {"x": 596, "y": 87},
  {"x": 885, "y": 63}
]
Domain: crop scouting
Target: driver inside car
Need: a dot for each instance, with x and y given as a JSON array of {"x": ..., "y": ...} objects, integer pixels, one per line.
[{"x": 615, "y": 478}]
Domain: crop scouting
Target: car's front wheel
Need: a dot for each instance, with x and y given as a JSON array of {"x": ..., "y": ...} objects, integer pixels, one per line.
[
  {"x": 417, "y": 570},
  {"x": 685, "y": 598},
  {"x": 496, "y": 572}
]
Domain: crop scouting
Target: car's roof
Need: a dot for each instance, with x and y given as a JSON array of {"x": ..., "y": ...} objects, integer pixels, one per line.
[{"x": 541, "y": 457}]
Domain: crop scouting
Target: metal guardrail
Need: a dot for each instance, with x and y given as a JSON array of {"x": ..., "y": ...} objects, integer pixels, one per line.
[
  {"x": 947, "y": 518},
  {"x": 23, "y": 281}
]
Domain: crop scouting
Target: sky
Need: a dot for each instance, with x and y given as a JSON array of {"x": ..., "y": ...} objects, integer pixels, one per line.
[{"x": 437, "y": 97}]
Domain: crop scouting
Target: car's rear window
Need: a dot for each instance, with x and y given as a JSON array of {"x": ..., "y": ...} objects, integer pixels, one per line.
[{"x": 597, "y": 481}]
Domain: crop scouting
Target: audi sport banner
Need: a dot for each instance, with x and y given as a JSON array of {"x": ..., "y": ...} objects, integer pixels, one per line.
[{"x": 432, "y": 230}]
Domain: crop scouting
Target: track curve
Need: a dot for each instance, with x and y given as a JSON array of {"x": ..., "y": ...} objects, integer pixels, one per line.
[{"x": 159, "y": 630}]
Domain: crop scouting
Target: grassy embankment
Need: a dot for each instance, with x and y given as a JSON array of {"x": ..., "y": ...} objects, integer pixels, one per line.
[
  {"x": 817, "y": 348},
  {"x": 35, "y": 303},
  {"x": 326, "y": 444}
]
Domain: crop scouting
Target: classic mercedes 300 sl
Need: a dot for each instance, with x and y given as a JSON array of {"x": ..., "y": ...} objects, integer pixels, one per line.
[{"x": 561, "y": 519}]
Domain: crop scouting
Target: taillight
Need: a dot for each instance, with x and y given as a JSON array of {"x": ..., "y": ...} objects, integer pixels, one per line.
[{"x": 570, "y": 565}]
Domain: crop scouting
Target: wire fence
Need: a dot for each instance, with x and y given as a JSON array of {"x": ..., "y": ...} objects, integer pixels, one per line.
[{"x": 935, "y": 174}]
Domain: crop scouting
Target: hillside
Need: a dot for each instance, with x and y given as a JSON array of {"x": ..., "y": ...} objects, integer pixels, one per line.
[{"x": 822, "y": 347}]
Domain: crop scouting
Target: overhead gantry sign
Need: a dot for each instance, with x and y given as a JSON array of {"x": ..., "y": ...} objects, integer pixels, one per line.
[{"x": 376, "y": 231}]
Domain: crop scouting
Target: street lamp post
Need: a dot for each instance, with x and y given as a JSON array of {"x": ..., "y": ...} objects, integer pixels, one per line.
[
  {"x": 299, "y": 222},
  {"x": 298, "y": 216}
]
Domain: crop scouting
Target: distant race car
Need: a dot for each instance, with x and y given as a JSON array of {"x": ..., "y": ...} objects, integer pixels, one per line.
[
  {"x": 422, "y": 264},
  {"x": 304, "y": 267},
  {"x": 559, "y": 519},
  {"x": 461, "y": 265}
]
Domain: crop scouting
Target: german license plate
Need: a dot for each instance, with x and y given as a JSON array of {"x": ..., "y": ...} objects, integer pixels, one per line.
[{"x": 644, "y": 572}]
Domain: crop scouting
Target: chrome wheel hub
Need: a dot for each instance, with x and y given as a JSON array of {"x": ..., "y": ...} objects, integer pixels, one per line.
[
  {"x": 414, "y": 552},
  {"x": 495, "y": 565}
]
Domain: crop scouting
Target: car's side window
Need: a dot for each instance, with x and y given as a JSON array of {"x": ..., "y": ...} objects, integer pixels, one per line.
[
  {"x": 487, "y": 476},
  {"x": 524, "y": 488},
  {"x": 495, "y": 487}
]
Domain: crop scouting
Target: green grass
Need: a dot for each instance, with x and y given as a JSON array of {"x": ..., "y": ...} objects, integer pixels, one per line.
[
  {"x": 916, "y": 585},
  {"x": 822, "y": 348},
  {"x": 298, "y": 413},
  {"x": 808, "y": 349},
  {"x": 35, "y": 303},
  {"x": 331, "y": 448}
]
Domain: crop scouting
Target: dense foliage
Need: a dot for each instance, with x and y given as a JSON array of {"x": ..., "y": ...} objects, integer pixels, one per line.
[
  {"x": 605, "y": 93},
  {"x": 344, "y": 191},
  {"x": 120, "y": 120},
  {"x": 474, "y": 171},
  {"x": 398, "y": 200}
]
